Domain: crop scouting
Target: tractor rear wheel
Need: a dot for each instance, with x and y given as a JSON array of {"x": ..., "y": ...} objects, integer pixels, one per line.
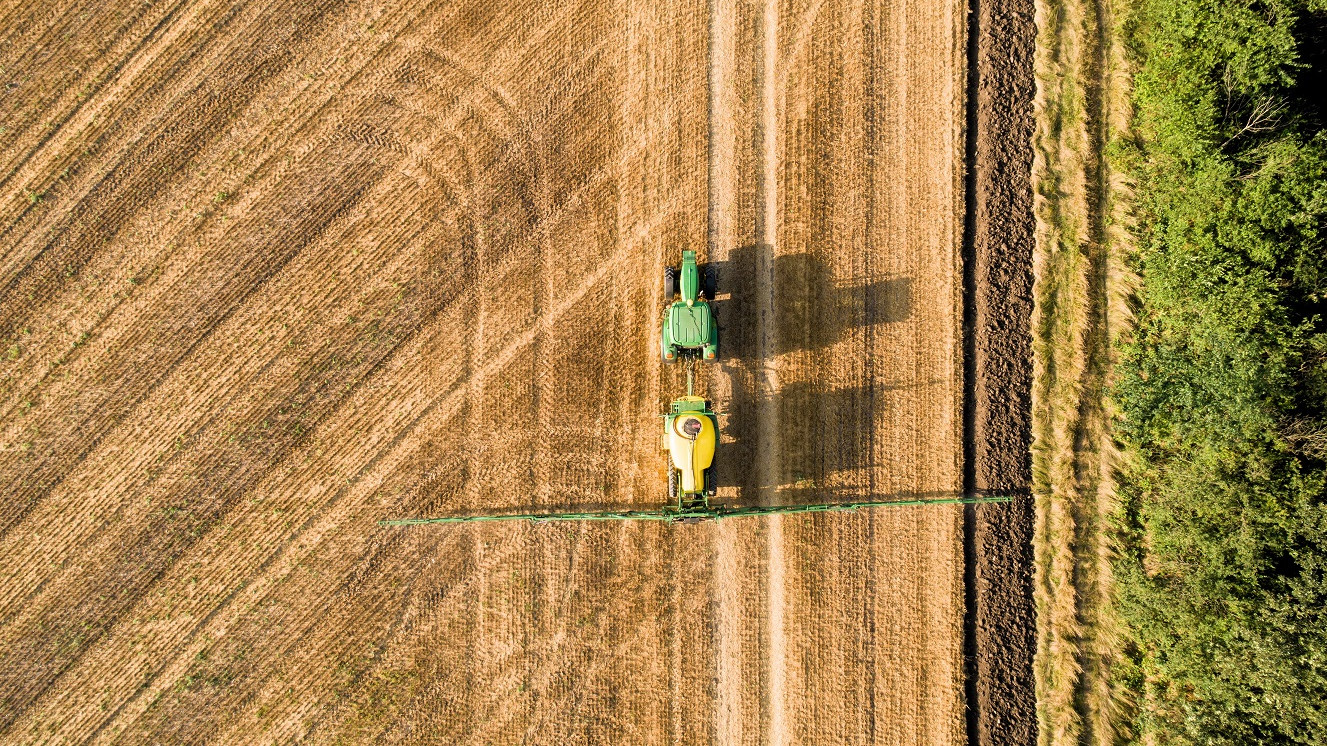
[
  {"x": 670, "y": 284},
  {"x": 711, "y": 283}
]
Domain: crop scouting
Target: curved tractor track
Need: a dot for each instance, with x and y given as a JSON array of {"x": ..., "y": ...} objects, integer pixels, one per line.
[{"x": 270, "y": 272}]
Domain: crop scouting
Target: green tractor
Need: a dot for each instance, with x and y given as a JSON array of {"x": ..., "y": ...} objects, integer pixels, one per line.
[{"x": 689, "y": 326}]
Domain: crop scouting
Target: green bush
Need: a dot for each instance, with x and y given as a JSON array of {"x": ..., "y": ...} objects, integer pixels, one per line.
[{"x": 1223, "y": 383}]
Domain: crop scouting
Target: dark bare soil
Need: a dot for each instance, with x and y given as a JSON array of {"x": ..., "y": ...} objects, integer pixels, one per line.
[{"x": 1001, "y": 623}]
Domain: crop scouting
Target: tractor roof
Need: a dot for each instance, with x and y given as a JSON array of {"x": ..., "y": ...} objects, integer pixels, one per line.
[{"x": 690, "y": 325}]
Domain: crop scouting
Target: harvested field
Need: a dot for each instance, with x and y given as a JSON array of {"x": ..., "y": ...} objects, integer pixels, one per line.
[{"x": 271, "y": 272}]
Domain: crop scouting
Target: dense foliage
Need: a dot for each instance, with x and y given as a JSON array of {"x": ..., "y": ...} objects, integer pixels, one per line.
[{"x": 1223, "y": 384}]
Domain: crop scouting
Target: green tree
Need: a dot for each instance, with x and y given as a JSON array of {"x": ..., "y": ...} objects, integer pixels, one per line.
[{"x": 1223, "y": 383}]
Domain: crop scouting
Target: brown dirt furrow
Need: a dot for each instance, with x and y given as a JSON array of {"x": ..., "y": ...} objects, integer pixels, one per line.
[{"x": 1001, "y": 613}]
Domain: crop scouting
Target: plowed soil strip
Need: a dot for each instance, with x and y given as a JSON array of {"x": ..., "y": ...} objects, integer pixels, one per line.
[{"x": 998, "y": 418}]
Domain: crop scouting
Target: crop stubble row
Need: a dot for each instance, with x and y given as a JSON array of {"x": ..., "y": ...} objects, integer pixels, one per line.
[{"x": 407, "y": 262}]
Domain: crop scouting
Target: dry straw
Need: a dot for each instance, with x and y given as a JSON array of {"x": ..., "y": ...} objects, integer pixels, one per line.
[{"x": 1081, "y": 104}]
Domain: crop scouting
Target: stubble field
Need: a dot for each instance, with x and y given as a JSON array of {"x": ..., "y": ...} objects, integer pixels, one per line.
[{"x": 272, "y": 272}]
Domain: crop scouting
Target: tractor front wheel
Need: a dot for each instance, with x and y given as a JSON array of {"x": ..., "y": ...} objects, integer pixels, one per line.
[
  {"x": 670, "y": 284},
  {"x": 711, "y": 283}
]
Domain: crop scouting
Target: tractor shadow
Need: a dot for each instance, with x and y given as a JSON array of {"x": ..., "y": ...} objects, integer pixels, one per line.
[
  {"x": 812, "y": 308},
  {"x": 788, "y": 443}
]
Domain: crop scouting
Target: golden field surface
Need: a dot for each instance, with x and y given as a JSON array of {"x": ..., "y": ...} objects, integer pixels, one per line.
[{"x": 271, "y": 272}]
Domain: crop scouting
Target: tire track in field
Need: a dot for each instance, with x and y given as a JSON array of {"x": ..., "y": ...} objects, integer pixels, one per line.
[
  {"x": 724, "y": 606},
  {"x": 212, "y": 81},
  {"x": 750, "y": 662},
  {"x": 369, "y": 587},
  {"x": 607, "y": 652},
  {"x": 340, "y": 596},
  {"x": 465, "y": 583},
  {"x": 403, "y": 597},
  {"x": 28, "y": 47},
  {"x": 860, "y": 414},
  {"x": 768, "y": 467},
  {"x": 172, "y": 44},
  {"x": 14, "y": 26},
  {"x": 667, "y": 85},
  {"x": 569, "y": 465},
  {"x": 871, "y": 309}
]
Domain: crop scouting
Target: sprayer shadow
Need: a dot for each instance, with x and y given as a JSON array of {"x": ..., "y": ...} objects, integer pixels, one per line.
[{"x": 818, "y": 431}]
